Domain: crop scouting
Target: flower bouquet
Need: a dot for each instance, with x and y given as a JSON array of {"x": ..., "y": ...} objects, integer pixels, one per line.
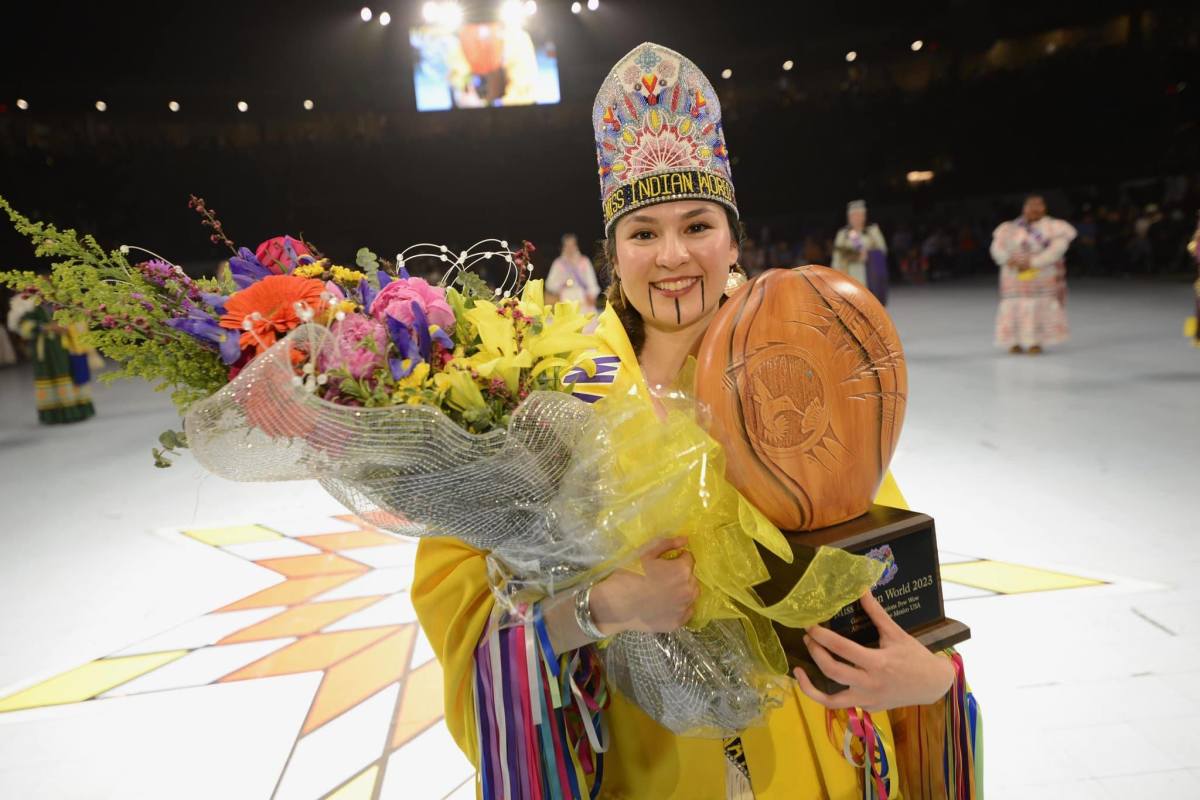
[{"x": 444, "y": 409}]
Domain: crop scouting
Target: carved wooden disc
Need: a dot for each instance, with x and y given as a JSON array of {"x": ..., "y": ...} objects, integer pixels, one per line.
[{"x": 802, "y": 379}]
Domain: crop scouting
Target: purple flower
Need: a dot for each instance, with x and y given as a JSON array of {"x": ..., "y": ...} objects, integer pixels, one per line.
[
  {"x": 200, "y": 325},
  {"x": 402, "y": 337},
  {"x": 368, "y": 295},
  {"x": 246, "y": 269},
  {"x": 214, "y": 301},
  {"x": 421, "y": 326}
]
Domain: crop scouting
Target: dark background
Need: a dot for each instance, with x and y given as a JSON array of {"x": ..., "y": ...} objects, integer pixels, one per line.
[{"x": 1096, "y": 104}]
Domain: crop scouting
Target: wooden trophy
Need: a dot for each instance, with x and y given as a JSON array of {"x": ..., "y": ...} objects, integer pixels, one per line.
[{"x": 802, "y": 379}]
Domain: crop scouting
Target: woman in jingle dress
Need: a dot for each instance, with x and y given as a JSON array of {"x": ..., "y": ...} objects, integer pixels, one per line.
[{"x": 672, "y": 246}]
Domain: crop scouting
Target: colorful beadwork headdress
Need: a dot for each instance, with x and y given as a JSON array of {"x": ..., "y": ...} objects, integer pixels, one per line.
[{"x": 658, "y": 135}]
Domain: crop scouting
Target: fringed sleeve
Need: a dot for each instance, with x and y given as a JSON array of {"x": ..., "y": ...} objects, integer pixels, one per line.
[{"x": 453, "y": 602}]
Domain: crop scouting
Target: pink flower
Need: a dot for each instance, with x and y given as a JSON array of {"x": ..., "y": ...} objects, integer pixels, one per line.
[
  {"x": 351, "y": 347},
  {"x": 282, "y": 254},
  {"x": 396, "y": 299}
]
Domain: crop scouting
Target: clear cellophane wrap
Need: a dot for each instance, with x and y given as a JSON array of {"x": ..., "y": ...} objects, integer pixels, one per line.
[{"x": 566, "y": 494}]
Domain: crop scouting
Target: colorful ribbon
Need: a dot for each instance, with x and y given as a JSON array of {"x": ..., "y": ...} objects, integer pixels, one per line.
[
  {"x": 539, "y": 719},
  {"x": 959, "y": 728}
]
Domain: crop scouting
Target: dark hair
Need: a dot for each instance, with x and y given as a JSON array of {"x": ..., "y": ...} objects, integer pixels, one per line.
[{"x": 606, "y": 257}]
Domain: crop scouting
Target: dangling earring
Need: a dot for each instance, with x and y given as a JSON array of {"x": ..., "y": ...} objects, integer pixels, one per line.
[
  {"x": 619, "y": 289},
  {"x": 736, "y": 280}
]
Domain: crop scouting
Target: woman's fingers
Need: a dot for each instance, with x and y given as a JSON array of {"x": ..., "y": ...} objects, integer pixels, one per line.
[
  {"x": 659, "y": 546},
  {"x": 879, "y": 615},
  {"x": 835, "y": 643},
  {"x": 837, "y": 670}
]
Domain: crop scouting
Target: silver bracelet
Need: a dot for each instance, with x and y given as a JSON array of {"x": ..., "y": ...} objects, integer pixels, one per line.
[{"x": 583, "y": 614}]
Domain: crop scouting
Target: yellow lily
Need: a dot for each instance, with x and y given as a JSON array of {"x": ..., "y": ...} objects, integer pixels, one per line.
[
  {"x": 561, "y": 333},
  {"x": 533, "y": 299},
  {"x": 461, "y": 391},
  {"x": 497, "y": 334}
]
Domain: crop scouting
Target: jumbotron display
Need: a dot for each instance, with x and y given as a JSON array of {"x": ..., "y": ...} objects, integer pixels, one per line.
[{"x": 482, "y": 65}]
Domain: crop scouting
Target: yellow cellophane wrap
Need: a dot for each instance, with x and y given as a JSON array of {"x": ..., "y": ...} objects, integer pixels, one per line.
[{"x": 672, "y": 450}]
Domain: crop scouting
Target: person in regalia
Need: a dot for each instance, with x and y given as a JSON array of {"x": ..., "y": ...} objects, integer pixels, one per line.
[
  {"x": 1030, "y": 251},
  {"x": 1192, "y": 327},
  {"x": 672, "y": 247},
  {"x": 859, "y": 250},
  {"x": 572, "y": 276},
  {"x": 61, "y": 367}
]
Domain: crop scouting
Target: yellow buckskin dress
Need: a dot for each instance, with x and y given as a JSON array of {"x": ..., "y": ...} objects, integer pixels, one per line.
[{"x": 789, "y": 758}]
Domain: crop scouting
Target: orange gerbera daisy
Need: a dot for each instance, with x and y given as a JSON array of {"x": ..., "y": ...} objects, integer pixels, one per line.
[{"x": 267, "y": 309}]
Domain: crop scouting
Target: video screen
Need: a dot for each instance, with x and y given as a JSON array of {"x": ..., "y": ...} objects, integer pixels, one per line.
[{"x": 482, "y": 65}]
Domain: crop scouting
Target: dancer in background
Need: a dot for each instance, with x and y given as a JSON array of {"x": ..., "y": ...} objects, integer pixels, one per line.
[
  {"x": 1030, "y": 252},
  {"x": 60, "y": 362},
  {"x": 1191, "y": 328},
  {"x": 861, "y": 252},
  {"x": 572, "y": 276}
]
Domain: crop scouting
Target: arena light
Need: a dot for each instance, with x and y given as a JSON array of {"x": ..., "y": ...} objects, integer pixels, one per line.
[
  {"x": 308, "y": 105},
  {"x": 385, "y": 19},
  {"x": 727, "y": 73},
  {"x": 787, "y": 65},
  {"x": 365, "y": 14},
  {"x": 22, "y": 104},
  {"x": 852, "y": 56},
  {"x": 173, "y": 105},
  {"x": 243, "y": 106},
  {"x": 101, "y": 105},
  {"x": 576, "y": 8},
  {"x": 917, "y": 45},
  {"x": 530, "y": 7},
  {"x": 593, "y": 5},
  {"x": 917, "y": 177}
]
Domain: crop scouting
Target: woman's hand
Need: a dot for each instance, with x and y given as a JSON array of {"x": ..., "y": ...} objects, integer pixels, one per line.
[
  {"x": 660, "y": 600},
  {"x": 901, "y": 672}
]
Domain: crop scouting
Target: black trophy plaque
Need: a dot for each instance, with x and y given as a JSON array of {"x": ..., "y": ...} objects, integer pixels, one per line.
[{"x": 910, "y": 588}]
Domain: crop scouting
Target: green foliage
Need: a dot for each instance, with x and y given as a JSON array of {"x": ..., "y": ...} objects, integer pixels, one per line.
[
  {"x": 473, "y": 288},
  {"x": 123, "y": 311},
  {"x": 368, "y": 261},
  {"x": 172, "y": 442}
]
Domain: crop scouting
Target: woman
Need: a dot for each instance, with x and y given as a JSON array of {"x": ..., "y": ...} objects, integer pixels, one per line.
[
  {"x": 60, "y": 362},
  {"x": 1191, "y": 328},
  {"x": 1030, "y": 252},
  {"x": 572, "y": 277},
  {"x": 672, "y": 246},
  {"x": 860, "y": 251}
]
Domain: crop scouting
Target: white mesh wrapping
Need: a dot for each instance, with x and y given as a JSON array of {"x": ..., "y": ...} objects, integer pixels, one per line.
[{"x": 529, "y": 495}]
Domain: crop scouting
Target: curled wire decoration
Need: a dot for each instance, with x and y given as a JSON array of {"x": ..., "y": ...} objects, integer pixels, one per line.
[{"x": 517, "y": 264}]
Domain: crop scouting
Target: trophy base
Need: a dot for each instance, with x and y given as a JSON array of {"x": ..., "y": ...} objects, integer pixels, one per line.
[{"x": 910, "y": 589}]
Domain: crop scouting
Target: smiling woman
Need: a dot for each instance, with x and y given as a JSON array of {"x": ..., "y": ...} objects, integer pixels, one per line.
[
  {"x": 672, "y": 246},
  {"x": 669, "y": 265}
]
